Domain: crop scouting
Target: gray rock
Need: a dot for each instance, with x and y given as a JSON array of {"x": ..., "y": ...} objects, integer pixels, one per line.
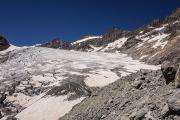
[
  {"x": 166, "y": 111},
  {"x": 137, "y": 84},
  {"x": 139, "y": 115},
  {"x": 11, "y": 118},
  {"x": 177, "y": 79},
  {"x": 57, "y": 43},
  {"x": 124, "y": 117},
  {"x": 174, "y": 103},
  {"x": 169, "y": 71}
]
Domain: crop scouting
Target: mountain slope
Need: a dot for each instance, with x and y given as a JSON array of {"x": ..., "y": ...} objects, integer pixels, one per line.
[
  {"x": 152, "y": 43},
  {"x": 36, "y": 76}
]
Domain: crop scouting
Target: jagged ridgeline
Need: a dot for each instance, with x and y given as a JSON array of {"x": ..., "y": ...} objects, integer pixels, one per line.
[
  {"x": 119, "y": 75},
  {"x": 152, "y": 43}
]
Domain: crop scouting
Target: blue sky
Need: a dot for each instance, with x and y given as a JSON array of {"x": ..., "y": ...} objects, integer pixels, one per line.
[{"x": 27, "y": 22}]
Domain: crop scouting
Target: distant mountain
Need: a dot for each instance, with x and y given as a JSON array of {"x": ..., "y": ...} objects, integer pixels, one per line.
[
  {"x": 56, "y": 43},
  {"x": 152, "y": 43}
]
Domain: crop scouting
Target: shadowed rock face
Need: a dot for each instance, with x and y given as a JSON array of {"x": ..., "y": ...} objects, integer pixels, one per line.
[
  {"x": 3, "y": 43},
  {"x": 169, "y": 71}
]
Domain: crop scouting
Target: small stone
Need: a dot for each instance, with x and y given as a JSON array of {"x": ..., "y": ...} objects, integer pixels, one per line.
[
  {"x": 111, "y": 101},
  {"x": 165, "y": 111},
  {"x": 124, "y": 117},
  {"x": 137, "y": 84},
  {"x": 143, "y": 78}
]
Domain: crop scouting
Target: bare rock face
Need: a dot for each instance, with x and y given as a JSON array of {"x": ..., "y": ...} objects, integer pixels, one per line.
[
  {"x": 174, "y": 103},
  {"x": 176, "y": 13},
  {"x": 3, "y": 43},
  {"x": 169, "y": 71},
  {"x": 56, "y": 43},
  {"x": 177, "y": 79}
]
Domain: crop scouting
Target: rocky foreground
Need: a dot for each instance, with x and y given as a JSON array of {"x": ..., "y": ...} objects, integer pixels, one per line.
[{"x": 140, "y": 96}]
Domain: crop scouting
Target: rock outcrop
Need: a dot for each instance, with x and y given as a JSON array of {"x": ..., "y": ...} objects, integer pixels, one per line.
[
  {"x": 169, "y": 71},
  {"x": 174, "y": 103},
  {"x": 4, "y": 44},
  {"x": 57, "y": 44},
  {"x": 177, "y": 78}
]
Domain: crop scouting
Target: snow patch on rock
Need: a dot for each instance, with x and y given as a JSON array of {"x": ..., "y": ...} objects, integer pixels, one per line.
[{"x": 86, "y": 39}]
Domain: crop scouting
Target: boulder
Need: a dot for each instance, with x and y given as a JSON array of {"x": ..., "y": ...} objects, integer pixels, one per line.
[
  {"x": 139, "y": 115},
  {"x": 169, "y": 71},
  {"x": 11, "y": 118},
  {"x": 137, "y": 84},
  {"x": 177, "y": 78},
  {"x": 166, "y": 111},
  {"x": 4, "y": 44},
  {"x": 174, "y": 103},
  {"x": 124, "y": 117}
]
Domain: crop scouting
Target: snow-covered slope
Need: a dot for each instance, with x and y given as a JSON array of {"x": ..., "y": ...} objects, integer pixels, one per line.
[{"x": 47, "y": 82}]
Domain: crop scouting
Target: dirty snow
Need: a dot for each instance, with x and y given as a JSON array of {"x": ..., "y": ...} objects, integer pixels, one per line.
[
  {"x": 48, "y": 108},
  {"x": 101, "y": 78},
  {"x": 50, "y": 65},
  {"x": 19, "y": 99}
]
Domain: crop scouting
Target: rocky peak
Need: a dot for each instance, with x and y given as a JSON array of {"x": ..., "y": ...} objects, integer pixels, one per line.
[
  {"x": 176, "y": 13},
  {"x": 115, "y": 32},
  {"x": 4, "y": 44},
  {"x": 56, "y": 43}
]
